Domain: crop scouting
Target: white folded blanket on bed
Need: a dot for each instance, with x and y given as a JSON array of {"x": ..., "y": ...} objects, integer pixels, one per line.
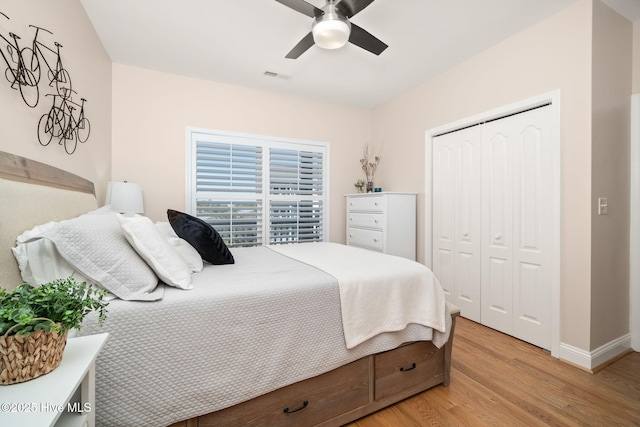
[{"x": 378, "y": 292}]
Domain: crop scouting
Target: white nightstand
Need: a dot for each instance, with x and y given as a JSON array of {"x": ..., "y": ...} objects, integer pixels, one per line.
[{"x": 45, "y": 401}]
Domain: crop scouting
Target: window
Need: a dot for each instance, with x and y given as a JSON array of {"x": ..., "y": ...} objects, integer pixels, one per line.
[{"x": 258, "y": 190}]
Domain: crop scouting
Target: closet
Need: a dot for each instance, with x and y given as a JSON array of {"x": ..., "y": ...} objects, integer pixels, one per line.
[{"x": 492, "y": 224}]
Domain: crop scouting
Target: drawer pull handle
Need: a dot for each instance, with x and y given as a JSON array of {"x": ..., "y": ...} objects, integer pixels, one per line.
[
  {"x": 413, "y": 366},
  {"x": 304, "y": 405},
  {"x": 375, "y": 240}
]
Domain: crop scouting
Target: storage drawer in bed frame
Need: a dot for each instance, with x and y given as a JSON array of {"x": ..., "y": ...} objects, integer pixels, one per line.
[
  {"x": 346, "y": 393},
  {"x": 307, "y": 402},
  {"x": 407, "y": 367}
]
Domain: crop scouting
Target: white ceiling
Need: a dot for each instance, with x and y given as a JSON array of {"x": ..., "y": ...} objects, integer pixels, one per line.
[{"x": 236, "y": 41}]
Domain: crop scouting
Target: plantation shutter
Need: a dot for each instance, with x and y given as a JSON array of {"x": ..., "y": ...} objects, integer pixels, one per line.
[
  {"x": 224, "y": 167},
  {"x": 258, "y": 190},
  {"x": 228, "y": 183},
  {"x": 296, "y": 186}
]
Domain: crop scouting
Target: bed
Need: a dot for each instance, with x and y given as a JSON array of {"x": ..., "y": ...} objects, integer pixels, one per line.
[{"x": 267, "y": 340}]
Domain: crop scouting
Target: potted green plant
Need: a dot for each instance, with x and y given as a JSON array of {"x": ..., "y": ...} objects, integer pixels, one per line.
[{"x": 35, "y": 321}]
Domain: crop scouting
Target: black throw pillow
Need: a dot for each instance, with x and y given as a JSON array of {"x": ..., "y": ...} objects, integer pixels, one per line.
[{"x": 202, "y": 236}]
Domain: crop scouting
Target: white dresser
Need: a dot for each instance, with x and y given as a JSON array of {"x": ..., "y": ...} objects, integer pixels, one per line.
[{"x": 384, "y": 222}]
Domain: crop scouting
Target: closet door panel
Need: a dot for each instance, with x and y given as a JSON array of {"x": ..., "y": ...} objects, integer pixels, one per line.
[
  {"x": 516, "y": 297},
  {"x": 497, "y": 212},
  {"x": 468, "y": 225},
  {"x": 443, "y": 211},
  {"x": 528, "y": 299},
  {"x": 468, "y": 196},
  {"x": 456, "y": 218},
  {"x": 499, "y": 275},
  {"x": 532, "y": 222},
  {"x": 498, "y": 191}
]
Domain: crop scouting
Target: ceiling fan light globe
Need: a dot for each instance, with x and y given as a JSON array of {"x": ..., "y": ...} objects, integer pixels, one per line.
[{"x": 331, "y": 34}]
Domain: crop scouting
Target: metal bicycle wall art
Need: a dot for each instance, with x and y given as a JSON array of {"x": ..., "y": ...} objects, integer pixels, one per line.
[{"x": 27, "y": 63}]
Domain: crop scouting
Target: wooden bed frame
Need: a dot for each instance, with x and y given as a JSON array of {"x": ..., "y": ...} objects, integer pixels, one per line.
[
  {"x": 346, "y": 393},
  {"x": 331, "y": 399}
]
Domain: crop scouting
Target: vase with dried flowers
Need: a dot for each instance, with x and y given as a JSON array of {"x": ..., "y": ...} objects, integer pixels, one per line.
[{"x": 369, "y": 162}]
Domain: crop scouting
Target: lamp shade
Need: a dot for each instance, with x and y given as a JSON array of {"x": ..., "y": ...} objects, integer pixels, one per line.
[
  {"x": 125, "y": 197},
  {"x": 331, "y": 34}
]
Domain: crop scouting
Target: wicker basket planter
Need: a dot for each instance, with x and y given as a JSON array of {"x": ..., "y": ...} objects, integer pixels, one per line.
[
  {"x": 34, "y": 322},
  {"x": 25, "y": 357}
]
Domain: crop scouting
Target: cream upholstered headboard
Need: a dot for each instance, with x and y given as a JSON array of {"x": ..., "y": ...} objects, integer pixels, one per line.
[{"x": 33, "y": 193}]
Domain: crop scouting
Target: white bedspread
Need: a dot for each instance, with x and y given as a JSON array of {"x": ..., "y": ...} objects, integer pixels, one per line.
[
  {"x": 247, "y": 328},
  {"x": 378, "y": 293}
]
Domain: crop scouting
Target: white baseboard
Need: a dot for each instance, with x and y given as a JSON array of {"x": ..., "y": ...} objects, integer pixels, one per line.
[{"x": 592, "y": 359}]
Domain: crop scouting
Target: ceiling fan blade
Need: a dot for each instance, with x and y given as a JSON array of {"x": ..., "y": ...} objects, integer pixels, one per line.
[
  {"x": 302, "y": 46},
  {"x": 365, "y": 40},
  {"x": 302, "y": 7},
  {"x": 351, "y": 7}
]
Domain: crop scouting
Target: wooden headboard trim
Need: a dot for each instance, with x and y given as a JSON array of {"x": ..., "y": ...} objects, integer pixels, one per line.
[{"x": 16, "y": 168}]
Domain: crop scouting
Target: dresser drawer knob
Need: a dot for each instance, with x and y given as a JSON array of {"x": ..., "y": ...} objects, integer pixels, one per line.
[
  {"x": 375, "y": 240},
  {"x": 299, "y": 408}
]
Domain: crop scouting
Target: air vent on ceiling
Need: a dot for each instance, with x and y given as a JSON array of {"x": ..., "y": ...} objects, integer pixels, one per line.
[{"x": 276, "y": 75}]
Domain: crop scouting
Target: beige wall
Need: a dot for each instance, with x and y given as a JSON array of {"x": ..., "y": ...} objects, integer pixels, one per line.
[
  {"x": 554, "y": 54},
  {"x": 151, "y": 111},
  {"x": 611, "y": 112},
  {"x": 636, "y": 57},
  {"x": 90, "y": 68}
]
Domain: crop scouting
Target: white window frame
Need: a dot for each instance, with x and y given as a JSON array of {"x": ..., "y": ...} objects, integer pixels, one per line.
[{"x": 266, "y": 142}]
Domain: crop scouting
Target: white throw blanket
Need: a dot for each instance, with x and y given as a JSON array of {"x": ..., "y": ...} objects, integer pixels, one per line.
[{"x": 378, "y": 292}]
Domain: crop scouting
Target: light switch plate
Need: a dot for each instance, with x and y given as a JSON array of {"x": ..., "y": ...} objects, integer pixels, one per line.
[{"x": 602, "y": 206}]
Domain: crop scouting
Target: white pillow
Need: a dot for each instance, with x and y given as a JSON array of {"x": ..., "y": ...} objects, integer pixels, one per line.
[
  {"x": 44, "y": 256},
  {"x": 40, "y": 263},
  {"x": 188, "y": 252},
  {"x": 95, "y": 246},
  {"x": 154, "y": 248}
]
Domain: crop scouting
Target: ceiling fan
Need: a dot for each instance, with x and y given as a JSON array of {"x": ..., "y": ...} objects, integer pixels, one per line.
[{"x": 331, "y": 28}]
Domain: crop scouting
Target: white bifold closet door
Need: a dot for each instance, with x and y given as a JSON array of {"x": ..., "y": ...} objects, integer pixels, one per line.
[
  {"x": 491, "y": 230},
  {"x": 456, "y": 217},
  {"x": 517, "y": 225}
]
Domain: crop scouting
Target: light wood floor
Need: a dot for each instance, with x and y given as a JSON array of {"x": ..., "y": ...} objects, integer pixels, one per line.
[{"x": 497, "y": 380}]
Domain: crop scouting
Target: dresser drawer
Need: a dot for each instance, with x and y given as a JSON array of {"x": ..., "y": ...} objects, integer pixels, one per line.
[
  {"x": 367, "y": 220},
  {"x": 369, "y": 239},
  {"x": 406, "y": 366},
  {"x": 326, "y": 396},
  {"x": 373, "y": 204}
]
